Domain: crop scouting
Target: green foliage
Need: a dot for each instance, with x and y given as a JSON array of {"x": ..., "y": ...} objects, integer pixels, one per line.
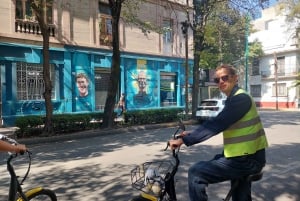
[
  {"x": 297, "y": 81},
  {"x": 293, "y": 8},
  {"x": 139, "y": 117},
  {"x": 62, "y": 123},
  {"x": 30, "y": 126},
  {"x": 224, "y": 37},
  {"x": 255, "y": 49}
]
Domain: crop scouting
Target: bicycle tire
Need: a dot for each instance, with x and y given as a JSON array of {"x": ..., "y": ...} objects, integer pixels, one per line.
[{"x": 43, "y": 194}]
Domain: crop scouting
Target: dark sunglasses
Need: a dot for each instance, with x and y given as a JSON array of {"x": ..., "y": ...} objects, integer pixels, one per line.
[{"x": 224, "y": 78}]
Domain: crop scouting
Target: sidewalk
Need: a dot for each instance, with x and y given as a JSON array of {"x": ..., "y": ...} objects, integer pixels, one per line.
[
  {"x": 88, "y": 133},
  {"x": 9, "y": 131}
]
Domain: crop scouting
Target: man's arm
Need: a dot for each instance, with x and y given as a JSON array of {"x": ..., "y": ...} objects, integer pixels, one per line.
[
  {"x": 235, "y": 108},
  {"x": 6, "y": 147}
]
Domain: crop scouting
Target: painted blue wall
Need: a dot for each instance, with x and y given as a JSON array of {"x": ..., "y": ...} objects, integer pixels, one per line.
[{"x": 71, "y": 61}]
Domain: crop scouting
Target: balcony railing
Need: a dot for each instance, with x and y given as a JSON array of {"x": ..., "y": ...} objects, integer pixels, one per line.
[
  {"x": 30, "y": 27},
  {"x": 286, "y": 73}
]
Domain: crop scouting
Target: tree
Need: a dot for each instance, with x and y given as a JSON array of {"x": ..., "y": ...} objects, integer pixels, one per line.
[
  {"x": 297, "y": 82},
  {"x": 224, "y": 37},
  {"x": 130, "y": 17},
  {"x": 40, "y": 10},
  {"x": 114, "y": 79},
  {"x": 202, "y": 10},
  {"x": 293, "y": 7}
]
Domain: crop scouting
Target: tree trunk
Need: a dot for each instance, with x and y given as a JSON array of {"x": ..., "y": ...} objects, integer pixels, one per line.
[
  {"x": 48, "y": 128},
  {"x": 198, "y": 42},
  {"x": 202, "y": 10},
  {"x": 40, "y": 10},
  {"x": 114, "y": 79}
]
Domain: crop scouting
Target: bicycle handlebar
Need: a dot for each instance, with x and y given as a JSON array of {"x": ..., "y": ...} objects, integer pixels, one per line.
[
  {"x": 176, "y": 150},
  {"x": 11, "y": 169}
]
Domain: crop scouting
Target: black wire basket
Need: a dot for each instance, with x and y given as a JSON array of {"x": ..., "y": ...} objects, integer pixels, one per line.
[{"x": 158, "y": 170}]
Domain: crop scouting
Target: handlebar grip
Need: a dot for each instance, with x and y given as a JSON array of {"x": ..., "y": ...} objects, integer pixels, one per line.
[{"x": 178, "y": 136}]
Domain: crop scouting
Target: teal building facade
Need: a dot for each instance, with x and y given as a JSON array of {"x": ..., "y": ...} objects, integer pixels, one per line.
[{"x": 148, "y": 82}]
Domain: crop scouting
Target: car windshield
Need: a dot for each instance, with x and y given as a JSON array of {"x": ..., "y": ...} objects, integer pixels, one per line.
[{"x": 209, "y": 103}]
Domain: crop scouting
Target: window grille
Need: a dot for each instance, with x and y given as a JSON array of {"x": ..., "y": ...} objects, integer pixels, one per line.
[
  {"x": 101, "y": 86},
  {"x": 30, "y": 82},
  {"x": 167, "y": 36},
  {"x": 281, "y": 89},
  {"x": 168, "y": 89},
  {"x": 255, "y": 90},
  {"x": 105, "y": 25}
]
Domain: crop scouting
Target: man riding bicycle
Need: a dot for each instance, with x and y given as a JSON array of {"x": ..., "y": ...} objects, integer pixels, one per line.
[{"x": 243, "y": 137}]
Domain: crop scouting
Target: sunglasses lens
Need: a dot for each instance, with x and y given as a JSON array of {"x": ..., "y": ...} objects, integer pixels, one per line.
[
  {"x": 224, "y": 78},
  {"x": 217, "y": 80}
]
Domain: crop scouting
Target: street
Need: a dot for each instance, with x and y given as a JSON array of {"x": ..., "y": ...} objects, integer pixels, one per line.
[{"x": 98, "y": 168}]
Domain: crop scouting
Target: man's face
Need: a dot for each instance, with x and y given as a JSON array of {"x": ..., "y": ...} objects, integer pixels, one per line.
[
  {"x": 226, "y": 82},
  {"x": 142, "y": 82},
  {"x": 82, "y": 85}
]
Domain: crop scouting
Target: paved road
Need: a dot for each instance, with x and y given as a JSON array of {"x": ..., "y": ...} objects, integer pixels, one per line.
[{"x": 97, "y": 168}]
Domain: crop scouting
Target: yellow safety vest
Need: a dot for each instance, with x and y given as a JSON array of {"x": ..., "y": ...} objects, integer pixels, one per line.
[{"x": 246, "y": 136}]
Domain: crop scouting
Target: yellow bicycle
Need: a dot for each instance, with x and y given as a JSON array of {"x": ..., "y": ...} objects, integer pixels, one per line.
[{"x": 15, "y": 190}]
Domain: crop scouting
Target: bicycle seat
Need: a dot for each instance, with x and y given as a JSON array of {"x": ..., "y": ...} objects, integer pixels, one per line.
[{"x": 255, "y": 177}]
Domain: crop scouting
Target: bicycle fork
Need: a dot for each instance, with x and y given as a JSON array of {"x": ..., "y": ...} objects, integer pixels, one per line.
[{"x": 170, "y": 187}]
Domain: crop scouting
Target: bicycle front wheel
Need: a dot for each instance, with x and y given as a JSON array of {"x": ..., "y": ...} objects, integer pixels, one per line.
[{"x": 43, "y": 194}]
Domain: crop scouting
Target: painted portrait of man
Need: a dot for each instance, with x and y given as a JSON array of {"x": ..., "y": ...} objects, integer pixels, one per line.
[
  {"x": 82, "y": 83},
  {"x": 141, "y": 98}
]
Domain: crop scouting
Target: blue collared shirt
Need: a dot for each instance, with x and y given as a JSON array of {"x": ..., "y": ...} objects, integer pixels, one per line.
[{"x": 235, "y": 108}]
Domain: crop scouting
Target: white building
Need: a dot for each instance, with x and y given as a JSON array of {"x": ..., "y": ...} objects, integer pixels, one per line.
[{"x": 272, "y": 88}]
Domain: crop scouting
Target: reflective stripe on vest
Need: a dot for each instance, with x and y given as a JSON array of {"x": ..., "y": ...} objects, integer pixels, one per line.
[{"x": 246, "y": 136}]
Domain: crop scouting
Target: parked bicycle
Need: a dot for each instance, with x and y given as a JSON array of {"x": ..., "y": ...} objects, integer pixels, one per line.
[{"x": 156, "y": 180}]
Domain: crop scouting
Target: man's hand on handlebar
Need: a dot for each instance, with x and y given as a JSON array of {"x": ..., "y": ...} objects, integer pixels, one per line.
[
  {"x": 20, "y": 148},
  {"x": 175, "y": 144},
  {"x": 17, "y": 148}
]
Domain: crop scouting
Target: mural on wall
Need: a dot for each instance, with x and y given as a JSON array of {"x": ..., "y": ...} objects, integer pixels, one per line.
[
  {"x": 82, "y": 82},
  {"x": 142, "y": 86},
  {"x": 82, "y": 91}
]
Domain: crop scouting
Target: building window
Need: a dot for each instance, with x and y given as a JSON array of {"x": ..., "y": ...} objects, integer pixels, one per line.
[
  {"x": 24, "y": 11},
  {"x": 167, "y": 36},
  {"x": 281, "y": 89},
  {"x": 101, "y": 87},
  {"x": 168, "y": 92},
  {"x": 255, "y": 66},
  {"x": 255, "y": 90},
  {"x": 280, "y": 66},
  {"x": 30, "y": 82},
  {"x": 105, "y": 25}
]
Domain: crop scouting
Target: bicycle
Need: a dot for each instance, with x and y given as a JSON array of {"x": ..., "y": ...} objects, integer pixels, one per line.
[
  {"x": 156, "y": 180},
  {"x": 16, "y": 192}
]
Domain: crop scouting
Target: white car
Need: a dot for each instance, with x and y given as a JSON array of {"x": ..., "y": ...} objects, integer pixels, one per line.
[{"x": 209, "y": 108}]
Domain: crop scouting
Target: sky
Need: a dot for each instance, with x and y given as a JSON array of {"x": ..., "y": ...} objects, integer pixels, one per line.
[{"x": 273, "y": 2}]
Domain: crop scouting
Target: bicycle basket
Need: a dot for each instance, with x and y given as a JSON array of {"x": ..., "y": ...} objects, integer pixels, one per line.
[{"x": 149, "y": 177}]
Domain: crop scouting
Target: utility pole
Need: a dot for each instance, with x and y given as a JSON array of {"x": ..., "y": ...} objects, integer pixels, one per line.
[
  {"x": 276, "y": 79},
  {"x": 246, "y": 51},
  {"x": 184, "y": 28}
]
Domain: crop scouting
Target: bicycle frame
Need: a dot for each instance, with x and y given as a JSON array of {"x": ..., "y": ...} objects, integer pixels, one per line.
[{"x": 169, "y": 179}]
